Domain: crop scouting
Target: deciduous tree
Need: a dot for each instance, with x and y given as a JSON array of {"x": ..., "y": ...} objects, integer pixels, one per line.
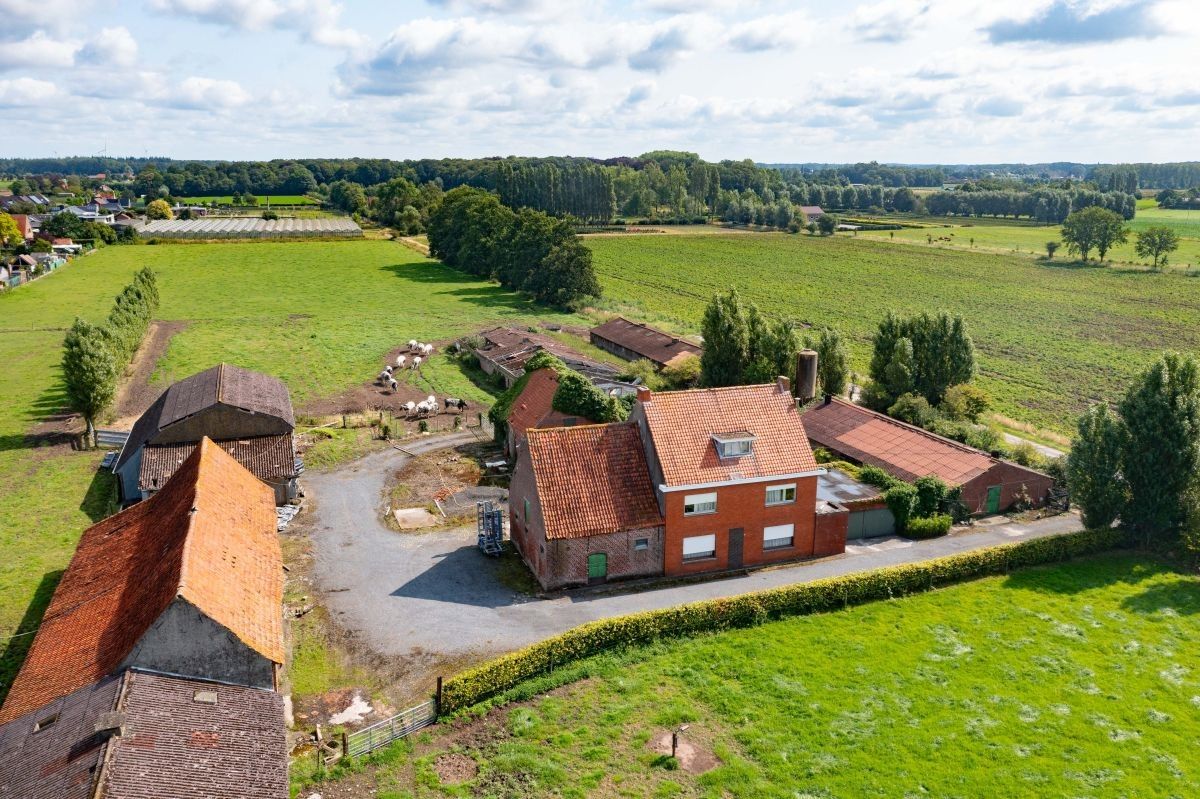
[
  {"x": 1094, "y": 474},
  {"x": 833, "y": 362},
  {"x": 726, "y": 341},
  {"x": 1093, "y": 228},
  {"x": 159, "y": 209},
  {"x": 1156, "y": 242},
  {"x": 89, "y": 372}
]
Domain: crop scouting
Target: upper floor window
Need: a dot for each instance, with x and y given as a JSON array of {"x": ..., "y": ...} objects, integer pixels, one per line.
[
  {"x": 696, "y": 504},
  {"x": 733, "y": 445},
  {"x": 781, "y": 494}
]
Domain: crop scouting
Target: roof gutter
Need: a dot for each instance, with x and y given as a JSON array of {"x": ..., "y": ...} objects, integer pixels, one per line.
[{"x": 772, "y": 478}]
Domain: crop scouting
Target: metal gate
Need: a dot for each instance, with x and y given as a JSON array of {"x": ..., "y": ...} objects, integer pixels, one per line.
[
  {"x": 871, "y": 523},
  {"x": 380, "y": 734},
  {"x": 112, "y": 438}
]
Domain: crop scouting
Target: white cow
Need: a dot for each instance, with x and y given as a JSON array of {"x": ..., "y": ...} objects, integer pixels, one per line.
[
  {"x": 393, "y": 385},
  {"x": 409, "y": 407},
  {"x": 427, "y": 350},
  {"x": 416, "y": 362},
  {"x": 400, "y": 361},
  {"x": 412, "y": 343}
]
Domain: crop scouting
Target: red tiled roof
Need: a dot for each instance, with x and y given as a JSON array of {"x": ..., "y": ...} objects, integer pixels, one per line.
[
  {"x": 535, "y": 401},
  {"x": 904, "y": 451},
  {"x": 682, "y": 425},
  {"x": 269, "y": 458},
  {"x": 592, "y": 479},
  {"x": 207, "y": 537},
  {"x": 648, "y": 342}
]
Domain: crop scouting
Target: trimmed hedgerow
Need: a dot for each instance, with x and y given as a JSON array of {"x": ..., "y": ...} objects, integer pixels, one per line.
[{"x": 494, "y": 677}]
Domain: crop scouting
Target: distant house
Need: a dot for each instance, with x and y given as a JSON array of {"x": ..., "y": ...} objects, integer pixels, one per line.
[
  {"x": 24, "y": 225},
  {"x": 811, "y": 212},
  {"x": 989, "y": 484},
  {"x": 153, "y": 671},
  {"x": 534, "y": 408},
  {"x": 248, "y": 414},
  {"x": 697, "y": 481},
  {"x": 633, "y": 341}
]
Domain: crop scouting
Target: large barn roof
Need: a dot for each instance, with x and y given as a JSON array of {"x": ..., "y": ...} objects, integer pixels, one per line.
[
  {"x": 645, "y": 341},
  {"x": 683, "y": 425},
  {"x": 207, "y": 537},
  {"x": 904, "y": 451},
  {"x": 269, "y": 458},
  {"x": 223, "y": 384}
]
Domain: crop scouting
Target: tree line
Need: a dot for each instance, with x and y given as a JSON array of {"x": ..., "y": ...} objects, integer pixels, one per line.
[
  {"x": 94, "y": 355},
  {"x": 526, "y": 250},
  {"x": 1047, "y": 205}
]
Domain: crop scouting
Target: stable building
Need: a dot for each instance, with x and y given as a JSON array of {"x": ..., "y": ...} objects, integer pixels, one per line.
[
  {"x": 707, "y": 480},
  {"x": 634, "y": 341},
  {"x": 248, "y": 414},
  {"x": 534, "y": 407},
  {"x": 989, "y": 484}
]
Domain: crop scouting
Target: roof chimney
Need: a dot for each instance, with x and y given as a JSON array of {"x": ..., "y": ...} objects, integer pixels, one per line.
[
  {"x": 783, "y": 384},
  {"x": 643, "y": 394}
]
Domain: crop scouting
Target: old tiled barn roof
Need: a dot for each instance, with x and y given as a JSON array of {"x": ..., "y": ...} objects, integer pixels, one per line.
[
  {"x": 592, "y": 479},
  {"x": 535, "y": 401},
  {"x": 223, "y": 384},
  {"x": 646, "y": 341},
  {"x": 905, "y": 451},
  {"x": 169, "y": 745},
  {"x": 269, "y": 458},
  {"x": 682, "y": 425},
  {"x": 208, "y": 537}
]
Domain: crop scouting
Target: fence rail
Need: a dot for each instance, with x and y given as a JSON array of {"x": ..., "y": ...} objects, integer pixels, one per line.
[
  {"x": 380, "y": 734},
  {"x": 112, "y": 438}
]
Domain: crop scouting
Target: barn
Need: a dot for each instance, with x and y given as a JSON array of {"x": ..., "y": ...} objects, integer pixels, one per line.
[
  {"x": 534, "y": 407},
  {"x": 989, "y": 483},
  {"x": 634, "y": 341},
  {"x": 248, "y": 414}
]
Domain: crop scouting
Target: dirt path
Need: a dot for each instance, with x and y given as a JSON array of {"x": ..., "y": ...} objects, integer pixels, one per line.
[
  {"x": 410, "y": 242},
  {"x": 136, "y": 394}
]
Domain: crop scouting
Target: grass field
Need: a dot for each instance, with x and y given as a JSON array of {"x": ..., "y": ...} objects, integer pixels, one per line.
[
  {"x": 274, "y": 199},
  {"x": 318, "y": 315},
  {"x": 1071, "y": 680},
  {"x": 1051, "y": 336},
  {"x": 1009, "y": 235}
]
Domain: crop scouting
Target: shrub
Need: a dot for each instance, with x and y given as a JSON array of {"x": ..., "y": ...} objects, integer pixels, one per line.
[
  {"x": 269, "y": 215},
  {"x": 965, "y": 402},
  {"x": 901, "y": 500},
  {"x": 683, "y": 373},
  {"x": 931, "y": 492},
  {"x": 497, "y": 676},
  {"x": 914, "y": 409},
  {"x": 1026, "y": 454},
  {"x": 873, "y": 475},
  {"x": 822, "y": 455},
  {"x": 934, "y": 526}
]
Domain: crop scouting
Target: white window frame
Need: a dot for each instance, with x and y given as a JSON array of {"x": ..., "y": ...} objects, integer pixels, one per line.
[
  {"x": 727, "y": 448},
  {"x": 699, "y": 547},
  {"x": 781, "y": 487},
  {"x": 641, "y": 544},
  {"x": 773, "y": 537},
  {"x": 708, "y": 498}
]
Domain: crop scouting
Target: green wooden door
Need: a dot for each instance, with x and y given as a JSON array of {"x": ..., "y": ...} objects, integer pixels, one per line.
[
  {"x": 993, "y": 499},
  {"x": 597, "y": 566}
]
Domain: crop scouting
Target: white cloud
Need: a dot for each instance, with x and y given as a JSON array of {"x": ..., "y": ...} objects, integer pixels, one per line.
[
  {"x": 316, "y": 20},
  {"x": 26, "y": 92},
  {"x": 110, "y": 47},
  {"x": 37, "y": 51},
  {"x": 205, "y": 94},
  {"x": 889, "y": 20},
  {"x": 27, "y": 15},
  {"x": 771, "y": 32}
]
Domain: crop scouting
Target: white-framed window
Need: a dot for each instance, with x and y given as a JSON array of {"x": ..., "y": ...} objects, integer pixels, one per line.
[
  {"x": 641, "y": 544},
  {"x": 699, "y": 547},
  {"x": 696, "y": 504},
  {"x": 733, "y": 445},
  {"x": 779, "y": 536},
  {"x": 781, "y": 494}
]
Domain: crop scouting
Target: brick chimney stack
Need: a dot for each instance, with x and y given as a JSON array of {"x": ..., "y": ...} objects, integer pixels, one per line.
[{"x": 643, "y": 394}]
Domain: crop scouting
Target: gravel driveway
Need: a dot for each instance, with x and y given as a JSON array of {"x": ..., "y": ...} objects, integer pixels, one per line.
[{"x": 434, "y": 598}]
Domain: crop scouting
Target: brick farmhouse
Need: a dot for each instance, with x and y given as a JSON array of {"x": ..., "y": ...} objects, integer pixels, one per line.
[
  {"x": 696, "y": 481},
  {"x": 534, "y": 407}
]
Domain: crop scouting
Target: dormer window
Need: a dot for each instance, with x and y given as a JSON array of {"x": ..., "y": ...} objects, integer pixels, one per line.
[{"x": 733, "y": 445}]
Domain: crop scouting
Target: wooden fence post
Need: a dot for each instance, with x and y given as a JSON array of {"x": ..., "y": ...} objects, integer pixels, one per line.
[{"x": 437, "y": 706}]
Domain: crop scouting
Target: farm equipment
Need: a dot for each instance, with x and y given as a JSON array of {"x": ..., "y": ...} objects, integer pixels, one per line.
[{"x": 490, "y": 524}]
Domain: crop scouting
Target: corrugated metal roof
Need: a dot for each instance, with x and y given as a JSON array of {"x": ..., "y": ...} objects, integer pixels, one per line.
[{"x": 648, "y": 342}]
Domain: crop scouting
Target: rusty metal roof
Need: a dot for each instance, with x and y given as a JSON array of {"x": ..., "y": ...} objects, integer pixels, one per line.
[{"x": 648, "y": 342}]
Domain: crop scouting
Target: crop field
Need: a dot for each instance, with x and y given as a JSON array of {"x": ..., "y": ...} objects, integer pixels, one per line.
[
  {"x": 263, "y": 199},
  {"x": 1051, "y": 337},
  {"x": 1072, "y": 680},
  {"x": 319, "y": 315},
  {"x": 1012, "y": 236}
]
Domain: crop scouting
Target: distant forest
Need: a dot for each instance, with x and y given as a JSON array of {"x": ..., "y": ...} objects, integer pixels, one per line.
[{"x": 661, "y": 185}]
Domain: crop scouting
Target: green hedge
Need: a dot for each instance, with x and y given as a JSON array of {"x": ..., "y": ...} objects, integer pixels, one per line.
[
  {"x": 934, "y": 526},
  {"x": 499, "y": 675}
]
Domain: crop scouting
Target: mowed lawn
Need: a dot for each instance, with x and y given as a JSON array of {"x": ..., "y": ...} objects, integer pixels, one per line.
[
  {"x": 1073, "y": 680},
  {"x": 1051, "y": 337},
  {"x": 320, "y": 315}
]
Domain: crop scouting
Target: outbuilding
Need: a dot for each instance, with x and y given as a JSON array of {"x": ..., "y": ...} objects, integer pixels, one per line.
[{"x": 634, "y": 341}]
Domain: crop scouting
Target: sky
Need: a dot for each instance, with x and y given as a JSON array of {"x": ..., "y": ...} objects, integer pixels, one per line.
[{"x": 907, "y": 81}]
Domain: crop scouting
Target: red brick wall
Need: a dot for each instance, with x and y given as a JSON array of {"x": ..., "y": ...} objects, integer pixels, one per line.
[
  {"x": 741, "y": 506},
  {"x": 831, "y": 528},
  {"x": 1010, "y": 477}
]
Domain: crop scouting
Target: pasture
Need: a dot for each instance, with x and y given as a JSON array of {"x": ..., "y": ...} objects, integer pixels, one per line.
[
  {"x": 263, "y": 200},
  {"x": 319, "y": 315},
  {"x": 1071, "y": 680},
  {"x": 1051, "y": 336},
  {"x": 1010, "y": 236}
]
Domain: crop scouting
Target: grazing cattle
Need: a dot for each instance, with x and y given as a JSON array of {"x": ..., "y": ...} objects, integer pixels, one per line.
[
  {"x": 412, "y": 343},
  {"x": 409, "y": 407},
  {"x": 416, "y": 362},
  {"x": 454, "y": 402},
  {"x": 400, "y": 361},
  {"x": 393, "y": 385},
  {"x": 384, "y": 376}
]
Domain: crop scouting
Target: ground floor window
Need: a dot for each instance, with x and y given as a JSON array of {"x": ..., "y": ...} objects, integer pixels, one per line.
[
  {"x": 779, "y": 536},
  {"x": 699, "y": 547},
  {"x": 641, "y": 544}
]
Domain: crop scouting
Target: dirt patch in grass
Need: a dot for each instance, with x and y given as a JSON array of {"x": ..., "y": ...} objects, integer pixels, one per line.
[
  {"x": 692, "y": 757},
  {"x": 455, "y": 768},
  {"x": 136, "y": 394},
  {"x": 447, "y": 483}
]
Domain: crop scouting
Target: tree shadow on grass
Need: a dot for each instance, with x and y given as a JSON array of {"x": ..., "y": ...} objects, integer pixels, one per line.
[
  {"x": 1056, "y": 263},
  {"x": 1085, "y": 574},
  {"x": 1179, "y": 595},
  {"x": 492, "y": 296},
  {"x": 16, "y": 647},
  {"x": 100, "y": 500}
]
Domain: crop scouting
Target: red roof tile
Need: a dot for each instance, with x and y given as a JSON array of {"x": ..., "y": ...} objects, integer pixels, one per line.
[
  {"x": 904, "y": 451},
  {"x": 208, "y": 537},
  {"x": 535, "y": 401},
  {"x": 682, "y": 425},
  {"x": 592, "y": 479}
]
